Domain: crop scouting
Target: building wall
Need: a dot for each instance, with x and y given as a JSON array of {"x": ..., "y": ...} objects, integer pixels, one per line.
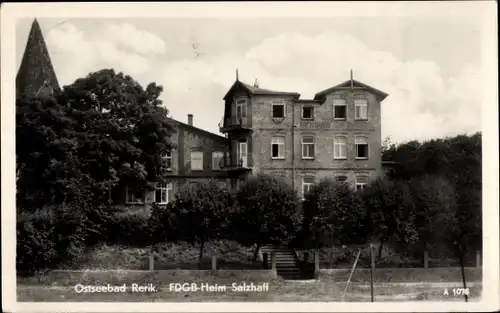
[
  {"x": 188, "y": 139},
  {"x": 323, "y": 128}
]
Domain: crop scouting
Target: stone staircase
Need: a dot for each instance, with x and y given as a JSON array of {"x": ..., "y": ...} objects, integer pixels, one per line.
[{"x": 288, "y": 265}]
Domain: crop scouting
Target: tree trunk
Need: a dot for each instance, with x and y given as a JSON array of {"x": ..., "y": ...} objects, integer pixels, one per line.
[
  {"x": 256, "y": 252},
  {"x": 463, "y": 274},
  {"x": 380, "y": 249},
  {"x": 200, "y": 259}
]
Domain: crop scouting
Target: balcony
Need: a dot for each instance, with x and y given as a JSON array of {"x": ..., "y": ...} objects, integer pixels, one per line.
[
  {"x": 234, "y": 124},
  {"x": 226, "y": 164}
]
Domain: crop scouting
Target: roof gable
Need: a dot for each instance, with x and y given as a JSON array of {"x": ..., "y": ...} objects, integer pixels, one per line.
[
  {"x": 347, "y": 84},
  {"x": 36, "y": 73},
  {"x": 252, "y": 90}
]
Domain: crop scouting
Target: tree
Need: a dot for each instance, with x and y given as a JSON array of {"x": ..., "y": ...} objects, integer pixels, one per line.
[
  {"x": 200, "y": 214},
  {"x": 333, "y": 215},
  {"x": 390, "y": 215},
  {"x": 459, "y": 160},
  {"x": 102, "y": 131},
  {"x": 433, "y": 196},
  {"x": 266, "y": 212}
]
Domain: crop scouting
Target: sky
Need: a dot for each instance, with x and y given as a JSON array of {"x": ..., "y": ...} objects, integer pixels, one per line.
[{"x": 429, "y": 66}]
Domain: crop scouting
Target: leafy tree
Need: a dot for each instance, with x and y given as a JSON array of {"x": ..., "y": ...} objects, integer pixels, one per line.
[
  {"x": 459, "y": 160},
  {"x": 433, "y": 196},
  {"x": 102, "y": 131},
  {"x": 390, "y": 216},
  {"x": 333, "y": 214},
  {"x": 198, "y": 215},
  {"x": 266, "y": 212},
  {"x": 122, "y": 128}
]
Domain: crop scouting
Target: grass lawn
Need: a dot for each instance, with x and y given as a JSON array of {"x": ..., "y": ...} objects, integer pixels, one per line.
[{"x": 279, "y": 290}]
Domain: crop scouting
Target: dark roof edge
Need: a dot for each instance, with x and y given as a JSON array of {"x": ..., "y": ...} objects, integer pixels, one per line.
[
  {"x": 261, "y": 92},
  {"x": 308, "y": 101},
  {"x": 191, "y": 127},
  {"x": 375, "y": 90}
]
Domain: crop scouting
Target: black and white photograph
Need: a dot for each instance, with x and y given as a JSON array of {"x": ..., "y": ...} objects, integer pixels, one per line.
[{"x": 250, "y": 156}]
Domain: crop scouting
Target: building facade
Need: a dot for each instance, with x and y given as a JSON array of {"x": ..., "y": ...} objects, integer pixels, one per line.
[{"x": 337, "y": 134}]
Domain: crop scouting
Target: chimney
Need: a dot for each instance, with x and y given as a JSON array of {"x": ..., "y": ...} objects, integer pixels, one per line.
[{"x": 190, "y": 119}]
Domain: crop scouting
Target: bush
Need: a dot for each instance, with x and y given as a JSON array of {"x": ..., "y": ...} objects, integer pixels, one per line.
[
  {"x": 333, "y": 214},
  {"x": 266, "y": 212},
  {"x": 48, "y": 236}
]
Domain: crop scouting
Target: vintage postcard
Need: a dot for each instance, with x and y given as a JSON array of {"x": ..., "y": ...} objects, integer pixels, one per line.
[{"x": 250, "y": 157}]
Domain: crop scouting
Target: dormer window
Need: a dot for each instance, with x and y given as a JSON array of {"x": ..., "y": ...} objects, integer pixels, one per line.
[{"x": 278, "y": 108}]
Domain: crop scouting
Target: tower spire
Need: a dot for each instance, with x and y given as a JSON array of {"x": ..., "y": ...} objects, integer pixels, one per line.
[{"x": 36, "y": 73}]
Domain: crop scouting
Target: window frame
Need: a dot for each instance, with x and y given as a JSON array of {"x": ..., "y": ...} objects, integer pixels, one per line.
[
  {"x": 281, "y": 145},
  {"x": 313, "y": 145},
  {"x": 357, "y": 183},
  {"x": 168, "y": 157},
  {"x": 356, "y": 105},
  {"x": 191, "y": 159},
  {"x": 336, "y": 143},
  {"x": 281, "y": 103},
  {"x": 243, "y": 107},
  {"x": 221, "y": 156},
  {"x": 309, "y": 184},
  {"x": 356, "y": 144},
  {"x": 346, "y": 181},
  {"x": 344, "y": 104},
  {"x": 168, "y": 189},
  {"x": 127, "y": 193},
  {"x": 304, "y": 106}
]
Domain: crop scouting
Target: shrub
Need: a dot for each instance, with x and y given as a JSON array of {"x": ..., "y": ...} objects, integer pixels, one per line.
[
  {"x": 49, "y": 236},
  {"x": 333, "y": 215},
  {"x": 266, "y": 212}
]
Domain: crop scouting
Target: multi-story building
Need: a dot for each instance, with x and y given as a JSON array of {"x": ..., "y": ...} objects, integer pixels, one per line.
[{"x": 336, "y": 134}]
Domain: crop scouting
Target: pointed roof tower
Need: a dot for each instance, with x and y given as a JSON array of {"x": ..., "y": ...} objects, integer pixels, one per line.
[{"x": 36, "y": 74}]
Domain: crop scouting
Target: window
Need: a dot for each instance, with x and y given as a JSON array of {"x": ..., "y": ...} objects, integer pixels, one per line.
[
  {"x": 278, "y": 108},
  {"x": 308, "y": 112},
  {"x": 361, "y": 148},
  {"x": 196, "y": 161},
  {"x": 217, "y": 157},
  {"x": 339, "y": 109},
  {"x": 361, "y": 182},
  {"x": 361, "y": 107},
  {"x": 163, "y": 193},
  {"x": 308, "y": 147},
  {"x": 278, "y": 148},
  {"x": 193, "y": 186},
  {"x": 241, "y": 108},
  {"x": 133, "y": 195},
  {"x": 340, "y": 148},
  {"x": 307, "y": 183},
  {"x": 168, "y": 160},
  {"x": 341, "y": 179}
]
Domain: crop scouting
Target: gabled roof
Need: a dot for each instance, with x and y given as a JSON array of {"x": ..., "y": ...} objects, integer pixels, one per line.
[
  {"x": 258, "y": 91},
  {"x": 347, "y": 84},
  {"x": 36, "y": 72}
]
